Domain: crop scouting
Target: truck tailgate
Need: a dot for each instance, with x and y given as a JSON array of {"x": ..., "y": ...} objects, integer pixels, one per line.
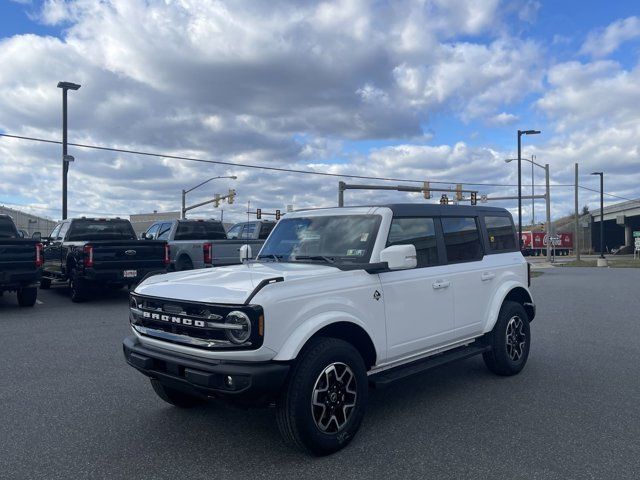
[
  {"x": 128, "y": 254},
  {"x": 17, "y": 255}
]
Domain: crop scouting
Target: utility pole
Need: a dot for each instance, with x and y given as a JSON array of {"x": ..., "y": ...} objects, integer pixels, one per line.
[
  {"x": 65, "y": 86},
  {"x": 577, "y": 229},
  {"x": 548, "y": 195},
  {"x": 520, "y": 133},
  {"x": 533, "y": 193}
]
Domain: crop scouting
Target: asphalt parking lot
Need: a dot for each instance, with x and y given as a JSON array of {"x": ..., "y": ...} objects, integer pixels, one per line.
[{"x": 71, "y": 407}]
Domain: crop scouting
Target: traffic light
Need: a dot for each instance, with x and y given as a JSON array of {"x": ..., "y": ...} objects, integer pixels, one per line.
[
  {"x": 459, "y": 192},
  {"x": 258, "y": 213},
  {"x": 474, "y": 198},
  {"x": 216, "y": 200},
  {"x": 426, "y": 190},
  {"x": 277, "y": 214},
  {"x": 232, "y": 194},
  {"x": 444, "y": 200}
]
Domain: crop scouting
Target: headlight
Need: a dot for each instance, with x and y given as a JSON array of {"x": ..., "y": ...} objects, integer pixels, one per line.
[{"x": 240, "y": 335}]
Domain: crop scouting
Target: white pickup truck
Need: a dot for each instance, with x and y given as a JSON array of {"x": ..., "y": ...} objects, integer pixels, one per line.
[{"x": 338, "y": 300}]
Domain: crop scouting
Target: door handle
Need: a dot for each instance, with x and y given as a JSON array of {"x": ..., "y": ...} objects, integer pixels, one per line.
[
  {"x": 439, "y": 284},
  {"x": 487, "y": 276}
]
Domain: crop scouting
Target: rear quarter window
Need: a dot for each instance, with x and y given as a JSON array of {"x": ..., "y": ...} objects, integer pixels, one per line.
[
  {"x": 200, "y": 231},
  {"x": 462, "y": 239},
  {"x": 500, "y": 233}
]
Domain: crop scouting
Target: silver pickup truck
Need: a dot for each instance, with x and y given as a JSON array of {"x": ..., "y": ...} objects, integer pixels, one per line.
[{"x": 204, "y": 243}]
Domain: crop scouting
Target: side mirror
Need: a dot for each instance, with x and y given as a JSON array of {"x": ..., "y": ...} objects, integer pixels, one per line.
[
  {"x": 245, "y": 252},
  {"x": 400, "y": 257},
  {"x": 36, "y": 236},
  {"x": 144, "y": 236}
]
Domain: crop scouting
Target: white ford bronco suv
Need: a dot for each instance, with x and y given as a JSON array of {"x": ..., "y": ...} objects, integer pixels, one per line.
[{"x": 337, "y": 301}]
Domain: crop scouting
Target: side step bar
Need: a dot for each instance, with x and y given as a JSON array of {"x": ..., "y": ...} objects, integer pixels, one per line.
[{"x": 383, "y": 379}]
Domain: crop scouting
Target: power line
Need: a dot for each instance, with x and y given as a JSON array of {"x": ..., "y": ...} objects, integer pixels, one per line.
[
  {"x": 282, "y": 169},
  {"x": 248, "y": 165}
]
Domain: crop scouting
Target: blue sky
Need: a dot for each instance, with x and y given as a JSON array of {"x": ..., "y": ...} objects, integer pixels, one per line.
[{"x": 431, "y": 90}]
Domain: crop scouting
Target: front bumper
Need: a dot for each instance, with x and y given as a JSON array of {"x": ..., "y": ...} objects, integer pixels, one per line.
[{"x": 252, "y": 382}]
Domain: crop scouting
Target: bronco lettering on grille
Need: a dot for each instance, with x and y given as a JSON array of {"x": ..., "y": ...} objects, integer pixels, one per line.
[{"x": 173, "y": 319}]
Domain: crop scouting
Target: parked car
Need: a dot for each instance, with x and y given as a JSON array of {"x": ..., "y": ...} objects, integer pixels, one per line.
[
  {"x": 337, "y": 300},
  {"x": 90, "y": 253},
  {"x": 204, "y": 243},
  {"x": 20, "y": 263}
]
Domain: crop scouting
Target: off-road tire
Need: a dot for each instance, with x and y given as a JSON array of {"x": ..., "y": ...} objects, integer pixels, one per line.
[
  {"x": 184, "y": 263},
  {"x": 294, "y": 410},
  {"x": 45, "y": 283},
  {"x": 499, "y": 360},
  {"x": 77, "y": 288},
  {"x": 175, "y": 397},
  {"x": 27, "y": 296}
]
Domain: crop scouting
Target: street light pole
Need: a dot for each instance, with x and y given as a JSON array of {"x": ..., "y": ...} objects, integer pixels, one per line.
[
  {"x": 520, "y": 133},
  {"x": 601, "y": 212},
  {"x": 65, "y": 86},
  {"x": 184, "y": 193}
]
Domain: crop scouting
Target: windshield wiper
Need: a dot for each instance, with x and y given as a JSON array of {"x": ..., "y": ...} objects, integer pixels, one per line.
[
  {"x": 316, "y": 257},
  {"x": 270, "y": 255}
]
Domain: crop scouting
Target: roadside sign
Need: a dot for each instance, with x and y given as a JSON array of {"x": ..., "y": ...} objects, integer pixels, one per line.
[
  {"x": 636, "y": 234},
  {"x": 637, "y": 242}
]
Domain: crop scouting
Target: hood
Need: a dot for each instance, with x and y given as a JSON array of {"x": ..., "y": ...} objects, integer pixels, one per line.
[{"x": 232, "y": 284}]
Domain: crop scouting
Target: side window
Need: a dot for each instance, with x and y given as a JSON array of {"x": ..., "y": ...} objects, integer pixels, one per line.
[
  {"x": 163, "y": 231},
  {"x": 421, "y": 233},
  {"x": 54, "y": 233},
  {"x": 248, "y": 230},
  {"x": 265, "y": 230},
  {"x": 502, "y": 235},
  {"x": 63, "y": 231},
  {"x": 461, "y": 239},
  {"x": 234, "y": 232},
  {"x": 153, "y": 229}
]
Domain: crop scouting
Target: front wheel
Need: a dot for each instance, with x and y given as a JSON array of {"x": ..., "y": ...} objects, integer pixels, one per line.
[
  {"x": 27, "y": 296},
  {"x": 323, "y": 404},
  {"x": 510, "y": 341}
]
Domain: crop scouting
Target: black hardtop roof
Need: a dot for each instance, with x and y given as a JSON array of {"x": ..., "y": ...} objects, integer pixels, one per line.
[
  {"x": 432, "y": 209},
  {"x": 429, "y": 209}
]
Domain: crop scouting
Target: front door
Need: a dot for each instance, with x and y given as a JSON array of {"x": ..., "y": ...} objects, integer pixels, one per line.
[
  {"x": 419, "y": 301},
  {"x": 52, "y": 252}
]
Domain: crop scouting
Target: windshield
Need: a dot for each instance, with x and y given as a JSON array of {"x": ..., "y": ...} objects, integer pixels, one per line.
[
  {"x": 101, "y": 230},
  {"x": 7, "y": 230},
  {"x": 329, "y": 239}
]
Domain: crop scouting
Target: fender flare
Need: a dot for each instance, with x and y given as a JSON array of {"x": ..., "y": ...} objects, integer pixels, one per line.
[
  {"x": 512, "y": 288},
  {"x": 310, "y": 326}
]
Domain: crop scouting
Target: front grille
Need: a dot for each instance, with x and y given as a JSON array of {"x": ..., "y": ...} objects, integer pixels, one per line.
[{"x": 190, "y": 323}]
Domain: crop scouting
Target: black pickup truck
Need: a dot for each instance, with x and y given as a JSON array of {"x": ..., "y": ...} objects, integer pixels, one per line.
[
  {"x": 99, "y": 252},
  {"x": 20, "y": 263}
]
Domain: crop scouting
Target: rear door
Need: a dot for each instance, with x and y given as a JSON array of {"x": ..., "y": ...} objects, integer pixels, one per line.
[
  {"x": 418, "y": 302},
  {"x": 472, "y": 276}
]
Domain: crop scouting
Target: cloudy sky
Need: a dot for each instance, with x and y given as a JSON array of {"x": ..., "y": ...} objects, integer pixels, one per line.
[{"x": 417, "y": 90}]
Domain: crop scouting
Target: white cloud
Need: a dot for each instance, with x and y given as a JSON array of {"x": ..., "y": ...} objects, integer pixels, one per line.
[{"x": 602, "y": 42}]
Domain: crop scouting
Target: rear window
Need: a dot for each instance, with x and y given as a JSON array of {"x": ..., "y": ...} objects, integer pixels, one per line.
[
  {"x": 200, "y": 231},
  {"x": 7, "y": 229},
  {"x": 101, "y": 230},
  {"x": 502, "y": 235},
  {"x": 461, "y": 239}
]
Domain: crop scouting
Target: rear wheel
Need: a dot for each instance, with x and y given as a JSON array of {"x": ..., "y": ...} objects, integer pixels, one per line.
[
  {"x": 323, "y": 404},
  {"x": 184, "y": 263},
  {"x": 175, "y": 397},
  {"x": 510, "y": 341},
  {"x": 27, "y": 296}
]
